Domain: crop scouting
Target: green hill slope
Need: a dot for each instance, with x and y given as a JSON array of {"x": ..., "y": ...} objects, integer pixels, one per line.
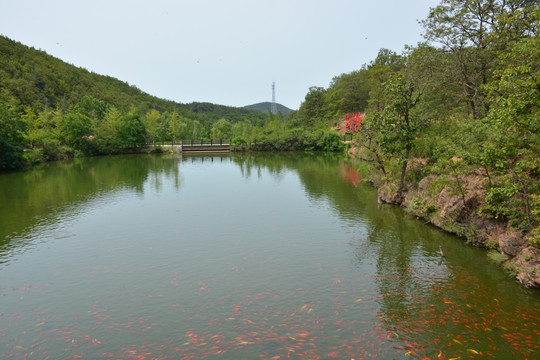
[
  {"x": 51, "y": 110},
  {"x": 266, "y": 106},
  {"x": 32, "y": 79}
]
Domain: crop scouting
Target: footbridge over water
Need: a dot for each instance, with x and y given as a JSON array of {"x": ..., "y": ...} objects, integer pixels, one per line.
[
  {"x": 206, "y": 145},
  {"x": 221, "y": 145}
]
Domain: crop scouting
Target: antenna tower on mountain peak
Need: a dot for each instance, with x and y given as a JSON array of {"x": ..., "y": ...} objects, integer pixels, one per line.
[{"x": 273, "y": 108}]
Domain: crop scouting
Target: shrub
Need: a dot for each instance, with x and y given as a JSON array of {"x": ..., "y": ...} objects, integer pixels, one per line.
[
  {"x": 34, "y": 156},
  {"x": 497, "y": 257}
]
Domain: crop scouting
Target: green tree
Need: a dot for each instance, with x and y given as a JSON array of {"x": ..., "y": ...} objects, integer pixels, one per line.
[
  {"x": 462, "y": 27},
  {"x": 75, "y": 130},
  {"x": 467, "y": 30},
  {"x": 151, "y": 121},
  {"x": 398, "y": 125},
  {"x": 11, "y": 140},
  {"x": 93, "y": 108},
  {"x": 313, "y": 109},
  {"x": 222, "y": 129},
  {"x": 512, "y": 152},
  {"x": 243, "y": 129},
  {"x": 162, "y": 132},
  {"x": 379, "y": 71},
  {"x": 130, "y": 131},
  {"x": 43, "y": 133},
  {"x": 349, "y": 92},
  {"x": 177, "y": 127},
  {"x": 106, "y": 131},
  {"x": 194, "y": 129}
]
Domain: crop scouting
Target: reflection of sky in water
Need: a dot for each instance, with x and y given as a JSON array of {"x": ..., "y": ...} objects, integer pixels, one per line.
[{"x": 246, "y": 257}]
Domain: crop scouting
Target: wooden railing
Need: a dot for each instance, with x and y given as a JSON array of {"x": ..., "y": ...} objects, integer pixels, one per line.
[{"x": 206, "y": 142}]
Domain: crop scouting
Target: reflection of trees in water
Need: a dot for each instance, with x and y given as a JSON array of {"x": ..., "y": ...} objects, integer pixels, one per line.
[
  {"x": 274, "y": 163},
  {"x": 307, "y": 165},
  {"x": 323, "y": 176},
  {"x": 43, "y": 193},
  {"x": 439, "y": 307},
  {"x": 401, "y": 249}
]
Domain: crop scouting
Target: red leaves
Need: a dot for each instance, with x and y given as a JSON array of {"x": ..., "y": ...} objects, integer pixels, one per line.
[{"x": 353, "y": 122}]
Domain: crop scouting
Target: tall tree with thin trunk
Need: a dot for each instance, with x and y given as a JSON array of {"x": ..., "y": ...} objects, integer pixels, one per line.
[{"x": 397, "y": 125}]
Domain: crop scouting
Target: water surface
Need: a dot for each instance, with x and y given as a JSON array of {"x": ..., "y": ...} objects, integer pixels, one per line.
[{"x": 249, "y": 256}]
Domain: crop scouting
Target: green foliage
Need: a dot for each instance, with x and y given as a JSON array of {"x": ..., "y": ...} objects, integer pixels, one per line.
[
  {"x": 92, "y": 108},
  {"x": 313, "y": 109},
  {"x": 131, "y": 131},
  {"x": 222, "y": 129},
  {"x": 266, "y": 106},
  {"x": 299, "y": 139},
  {"x": 330, "y": 141},
  {"x": 11, "y": 140},
  {"x": 534, "y": 240},
  {"x": 512, "y": 153},
  {"x": 177, "y": 128},
  {"x": 244, "y": 130},
  {"x": 34, "y": 156},
  {"x": 349, "y": 93},
  {"x": 152, "y": 121},
  {"x": 463, "y": 27},
  {"x": 76, "y": 131},
  {"x": 491, "y": 244},
  {"x": 207, "y": 113},
  {"x": 32, "y": 79},
  {"x": 239, "y": 140},
  {"x": 397, "y": 126},
  {"x": 497, "y": 257},
  {"x": 512, "y": 268},
  {"x": 422, "y": 208},
  {"x": 470, "y": 106}
]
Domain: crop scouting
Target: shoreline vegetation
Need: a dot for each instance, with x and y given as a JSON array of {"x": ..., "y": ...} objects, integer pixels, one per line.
[{"x": 449, "y": 129}]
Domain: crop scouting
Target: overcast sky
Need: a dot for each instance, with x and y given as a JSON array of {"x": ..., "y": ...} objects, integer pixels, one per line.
[{"x": 221, "y": 51}]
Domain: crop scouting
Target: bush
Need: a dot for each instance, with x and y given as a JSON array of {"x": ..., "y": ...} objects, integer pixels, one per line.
[
  {"x": 534, "y": 240},
  {"x": 34, "y": 156},
  {"x": 330, "y": 141},
  {"x": 239, "y": 140},
  {"x": 497, "y": 257}
]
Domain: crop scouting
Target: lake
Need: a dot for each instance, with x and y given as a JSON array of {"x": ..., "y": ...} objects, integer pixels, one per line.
[{"x": 240, "y": 256}]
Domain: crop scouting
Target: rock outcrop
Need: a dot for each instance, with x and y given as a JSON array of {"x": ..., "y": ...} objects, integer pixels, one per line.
[{"x": 457, "y": 209}]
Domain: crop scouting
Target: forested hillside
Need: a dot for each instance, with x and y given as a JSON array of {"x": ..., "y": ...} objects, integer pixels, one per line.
[
  {"x": 452, "y": 125},
  {"x": 36, "y": 80},
  {"x": 56, "y": 110}
]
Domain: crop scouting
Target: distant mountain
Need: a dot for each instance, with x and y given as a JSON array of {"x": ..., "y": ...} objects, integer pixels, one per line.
[{"x": 266, "y": 106}]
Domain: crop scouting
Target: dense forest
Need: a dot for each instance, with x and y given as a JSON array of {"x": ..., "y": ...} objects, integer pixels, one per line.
[
  {"x": 455, "y": 117},
  {"x": 463, "y": 104},
  {"x": 55, "y": 110}
]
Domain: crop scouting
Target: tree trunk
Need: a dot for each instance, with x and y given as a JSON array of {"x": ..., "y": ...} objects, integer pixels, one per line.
[{"x": 404, "y": 169}]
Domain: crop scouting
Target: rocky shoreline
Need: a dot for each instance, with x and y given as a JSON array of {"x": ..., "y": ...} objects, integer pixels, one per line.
[{"x": 459, "y": 212}]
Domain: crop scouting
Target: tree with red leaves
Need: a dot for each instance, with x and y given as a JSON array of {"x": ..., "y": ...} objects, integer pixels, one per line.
[{"x": 352, "y": 123}]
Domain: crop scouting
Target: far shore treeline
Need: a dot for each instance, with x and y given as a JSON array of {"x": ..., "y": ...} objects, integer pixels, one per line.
[{"x": 465, "y": 100}]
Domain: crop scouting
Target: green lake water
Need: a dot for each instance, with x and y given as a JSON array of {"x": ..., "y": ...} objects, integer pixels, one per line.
[{"x": 241, "y": 256}]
